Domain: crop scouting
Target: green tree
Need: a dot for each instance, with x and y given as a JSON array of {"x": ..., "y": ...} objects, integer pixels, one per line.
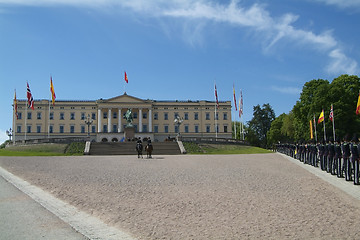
[{"x": 260, "y": 124}]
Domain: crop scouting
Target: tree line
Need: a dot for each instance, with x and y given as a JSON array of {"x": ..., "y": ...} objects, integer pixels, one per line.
[{"x": 264, "y": 129}]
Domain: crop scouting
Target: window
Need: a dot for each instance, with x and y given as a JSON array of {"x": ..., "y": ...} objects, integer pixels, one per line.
[
  {"x": 82, "y": 116},
  {"x": 156, "y": 128},
  {"x": 166, "y": 128},
  {"x": 93, "y": 129},
  {"x": 72, "y": 116},
  {"x": 207, "y": 128},
  {"x": 207, "y": 116},
  {"x": 114, "y": 114},
  {"x": 176, "y": 128},
  {"x": 82, "y": 129},
  {"x": 197, "y": 128},
  {"x": 225, "y": 116},
  {"x": 114, "y": 128},
  {"x": 51, "y": 129},
  {"x": 19, "y": 115},
  {"x": 18, "y": 130},
  {"x": 62, "y": 116},
  {"x": 29, "y": 129},
  {"x": 196, "y": 116},
  {"x": 105, "y": 115},
  {"x": 29, "y": 115},
  {"x": 38, "y": 129},
  {"x": 61, "y": 130},
  {"x": 145, "y": 128},
  {"x": 105, "y": 129},
  {"x": 38, "y": 115},
  {"x": 144, "y": 115},
  {"x": 135, "y": 115},
  {"x": 186, "y": 116},
  {"x": 51, "y": 115},
  {"x": 166, "y": 116},
  {"x": 217, "y": 116},
  {"x": 226, "y": 129},
  {"x": 155, "y": 116},
  {"x": 72, "y": 129},
  {"x": 93, "y": 116},
  {"x": 176, "y": 115},
  {"x": 217, "y": 128},
  {"x": 186, "y": 128}
]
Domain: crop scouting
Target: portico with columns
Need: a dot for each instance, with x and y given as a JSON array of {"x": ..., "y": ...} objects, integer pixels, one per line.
[{"x": 110, "y": 121}]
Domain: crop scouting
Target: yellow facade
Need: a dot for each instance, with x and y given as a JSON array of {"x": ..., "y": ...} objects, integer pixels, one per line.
[{"x": 151, "y": 118}]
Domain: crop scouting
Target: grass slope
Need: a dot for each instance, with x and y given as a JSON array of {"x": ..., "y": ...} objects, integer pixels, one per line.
[
  {"x": 44, "y": 150},
  {"x": 194, "y": 148}
]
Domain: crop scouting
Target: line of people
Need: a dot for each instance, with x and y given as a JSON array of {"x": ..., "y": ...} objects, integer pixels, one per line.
[{"x": 339, "y": 158}]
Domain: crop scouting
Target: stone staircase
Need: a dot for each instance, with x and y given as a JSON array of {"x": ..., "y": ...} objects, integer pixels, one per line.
[{"x": 128, "y": 148}]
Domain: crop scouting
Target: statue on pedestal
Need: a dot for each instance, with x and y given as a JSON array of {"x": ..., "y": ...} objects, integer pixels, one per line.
[{"x": 129, "y": 118}]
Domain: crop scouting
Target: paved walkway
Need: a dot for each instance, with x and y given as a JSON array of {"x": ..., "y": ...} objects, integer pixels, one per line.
[{"x": 23, "y": 218}]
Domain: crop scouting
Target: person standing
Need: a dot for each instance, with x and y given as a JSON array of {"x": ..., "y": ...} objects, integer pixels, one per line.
[
  {"x": 346, "y": 158},
  {"x": 355, "y": 158},
  {"x": 337, "y": 158}
]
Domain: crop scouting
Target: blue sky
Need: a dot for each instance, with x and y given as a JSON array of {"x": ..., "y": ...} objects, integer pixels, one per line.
[{"x": 174, "y": 50}]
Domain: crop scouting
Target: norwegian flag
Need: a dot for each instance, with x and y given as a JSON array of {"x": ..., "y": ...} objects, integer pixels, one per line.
[
  {"x": 331, "y": 115},
  {"x": 30, "y": 98}
]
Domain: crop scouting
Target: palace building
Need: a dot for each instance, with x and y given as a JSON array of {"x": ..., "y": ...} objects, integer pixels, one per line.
[{"x": 151, "y": 118}]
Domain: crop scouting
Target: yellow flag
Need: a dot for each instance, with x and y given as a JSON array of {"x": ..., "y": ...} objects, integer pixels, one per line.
[
  {"x": 311, "y": 130},
  {"x": 321, "y": 117}
]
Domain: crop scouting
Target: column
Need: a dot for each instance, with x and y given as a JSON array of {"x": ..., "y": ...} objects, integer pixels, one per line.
[
  {"x": 99, "y": 120},
  {"x": 109, "y": 120},
  {"x": 150, "y": 120},
  {"x": 140, "y": 120},
  {"x": 119, "y": 121}
]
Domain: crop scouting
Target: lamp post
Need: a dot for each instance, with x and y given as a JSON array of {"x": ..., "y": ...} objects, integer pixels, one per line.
[
  {"x": 178, "y": 120},
  {"x": 9, "y": 133},
  {"x": 88, "y": 122}
]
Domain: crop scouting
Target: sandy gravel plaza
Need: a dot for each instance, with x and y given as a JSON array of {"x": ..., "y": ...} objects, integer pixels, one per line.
[{"x": 259, "y": 196}]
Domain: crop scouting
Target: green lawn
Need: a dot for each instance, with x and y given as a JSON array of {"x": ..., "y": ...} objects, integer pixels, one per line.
[
  {"x": 193, "y": 148},
  {"x": 44, "y": 150}
]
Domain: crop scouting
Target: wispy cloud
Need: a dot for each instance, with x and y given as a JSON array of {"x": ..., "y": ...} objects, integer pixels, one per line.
[
  {"x": 287, "y": 90},
  {"x": 342, "y": 3},
  {"x": 256, "y": 18}
]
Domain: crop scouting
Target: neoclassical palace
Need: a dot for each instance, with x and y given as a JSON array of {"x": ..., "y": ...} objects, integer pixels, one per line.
[{"x": 151, "y": 118}]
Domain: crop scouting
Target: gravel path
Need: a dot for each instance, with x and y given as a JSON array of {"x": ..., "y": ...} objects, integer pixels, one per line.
[{"x": 197, "y": 197}]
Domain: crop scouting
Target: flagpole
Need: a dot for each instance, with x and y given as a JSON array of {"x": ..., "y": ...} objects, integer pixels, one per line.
[
  {"x": 333, "y": 121},
  {"x": 26, "y": 108},
  {"x": 13, "y": 125},
  {"x": 315, "y": 129},
  {"x": 216, "y": 133},
  {"x": 48, "y": 128},
  {"x": 324, "y": 130}
]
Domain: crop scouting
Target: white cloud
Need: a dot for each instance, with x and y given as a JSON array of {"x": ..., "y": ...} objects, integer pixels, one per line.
[
  {"x": 287, "y": 90},
  {"x": 195, "y": 13},
  {"x": 342, "y": 3},
  {"x": 340, "y": 63}
]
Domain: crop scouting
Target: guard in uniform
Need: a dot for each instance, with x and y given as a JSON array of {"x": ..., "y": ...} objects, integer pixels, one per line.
[
  {"x": 346, "y": 157},
  {"x": 355, "y": 158},
  {"x": 337, "y": 159},
  {"x": 331, "y": 153}
]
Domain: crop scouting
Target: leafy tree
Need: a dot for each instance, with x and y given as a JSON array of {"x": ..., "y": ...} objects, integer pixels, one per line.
[
  {"x": 260, "y": 124},
  {"x": 318, "y": 95}
]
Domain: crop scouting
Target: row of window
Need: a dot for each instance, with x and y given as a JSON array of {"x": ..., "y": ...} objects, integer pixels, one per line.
[
  {"x": 115, "y": 129},
  {"x": 83, "y": 116},
  {"x": 115, "y": 115}
]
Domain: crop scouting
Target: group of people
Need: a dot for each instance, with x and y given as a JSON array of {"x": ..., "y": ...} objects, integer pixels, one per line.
[
  {"x": 148, "y": 148},
  {"x": 339, "y": 158}
]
